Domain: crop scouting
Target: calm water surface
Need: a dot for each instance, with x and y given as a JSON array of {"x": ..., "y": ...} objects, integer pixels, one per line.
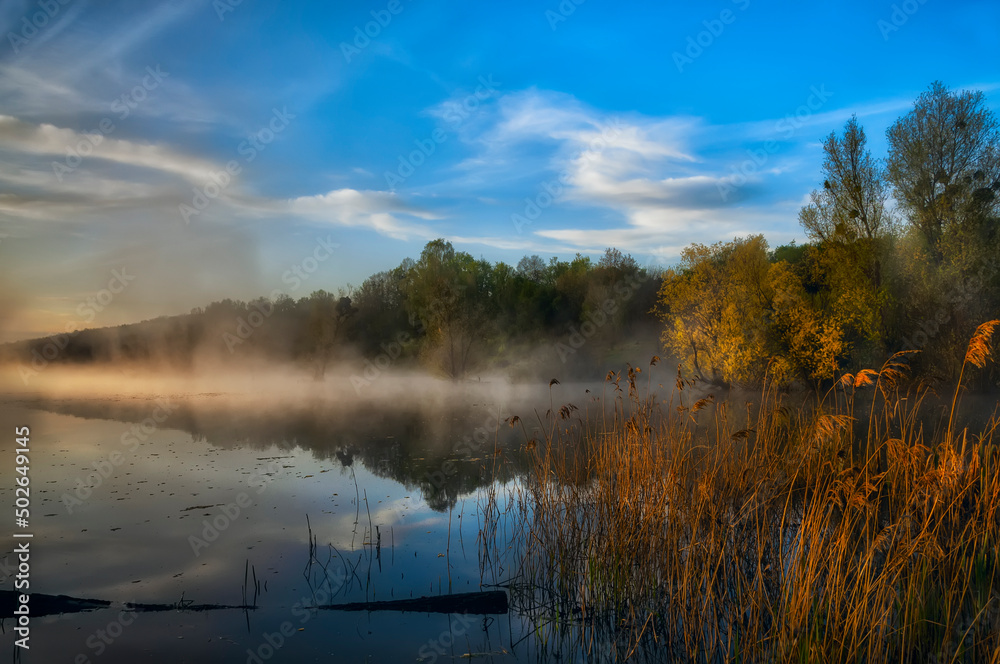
[{"x": 130, "y": 509}]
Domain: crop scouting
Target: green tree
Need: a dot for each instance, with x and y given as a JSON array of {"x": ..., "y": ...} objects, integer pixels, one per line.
[
  {"x": 852, "y": 229},
  {"x": 381, "y": 305},
  {"x": 944, "y": 164},
  {"x": 532, "y": 267},
  {"x": 327, "y": 315},
  {"x": 449, "y": 293}
]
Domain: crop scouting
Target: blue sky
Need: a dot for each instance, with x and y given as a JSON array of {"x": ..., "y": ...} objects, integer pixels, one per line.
[{"x": 509, "y": 129}]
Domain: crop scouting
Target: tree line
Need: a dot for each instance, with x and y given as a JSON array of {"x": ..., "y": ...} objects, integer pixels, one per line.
[{"x": 446, "y": 311}]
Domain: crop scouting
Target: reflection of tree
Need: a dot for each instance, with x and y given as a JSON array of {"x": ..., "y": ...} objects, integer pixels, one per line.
[
  {"x": 429, "y": 450},
  {"x": 345, "y": 457}
]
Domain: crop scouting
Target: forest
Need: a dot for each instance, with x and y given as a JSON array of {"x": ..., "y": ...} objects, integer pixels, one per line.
[{"x": 900, "y": 254}]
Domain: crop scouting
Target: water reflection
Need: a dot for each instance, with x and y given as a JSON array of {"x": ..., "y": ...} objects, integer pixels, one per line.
[
  {"x": 128, "y": 531},
  {"x": 441, "y": 453}
]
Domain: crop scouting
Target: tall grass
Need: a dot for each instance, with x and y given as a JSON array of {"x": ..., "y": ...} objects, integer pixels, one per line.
[{"x": 837, "y": 532}]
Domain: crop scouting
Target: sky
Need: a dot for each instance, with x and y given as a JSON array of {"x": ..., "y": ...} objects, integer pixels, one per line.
[{"x": 155, "y": 157}]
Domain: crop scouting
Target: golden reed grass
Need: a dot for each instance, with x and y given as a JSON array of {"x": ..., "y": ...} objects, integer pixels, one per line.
[{"x": 653, "y": 531}]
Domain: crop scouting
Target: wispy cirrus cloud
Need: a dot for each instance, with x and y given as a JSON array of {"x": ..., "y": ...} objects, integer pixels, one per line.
[
  {"x": 156, "y": 176},
  {"x": 380, "y": 211},
  {"x": 657, "y": 179},
  {"x": 662, "y": 182},
  {"x": 49, "y": 140}
]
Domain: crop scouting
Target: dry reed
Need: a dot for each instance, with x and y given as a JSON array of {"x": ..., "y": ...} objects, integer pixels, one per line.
[{"x": 655, "y": 531}]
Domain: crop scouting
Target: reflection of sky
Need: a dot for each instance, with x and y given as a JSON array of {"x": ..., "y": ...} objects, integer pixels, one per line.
[{"x": 129, "y": 541}]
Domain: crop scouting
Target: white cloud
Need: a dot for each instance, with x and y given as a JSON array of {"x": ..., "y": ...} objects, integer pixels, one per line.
[
  {"x": 138, "y": 183},
  {"x": 377, "y": 210},
  {"x": 527, "y": 244},
  {"x": 663, "y": 177},
  {"x": 66, "y": 145}
]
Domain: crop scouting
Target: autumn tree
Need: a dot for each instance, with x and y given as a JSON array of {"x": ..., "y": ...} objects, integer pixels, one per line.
[
  {"x": 851, "y": 227},
  {"x": 715, "y": 309},
  {"x": 811, "y": 342}
]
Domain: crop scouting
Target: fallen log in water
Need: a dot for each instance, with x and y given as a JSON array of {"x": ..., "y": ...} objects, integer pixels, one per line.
[
  {"x": 47, "y": 605},
  {"x": 188, "y": 606},
  {"x": 494, "y": 601}
]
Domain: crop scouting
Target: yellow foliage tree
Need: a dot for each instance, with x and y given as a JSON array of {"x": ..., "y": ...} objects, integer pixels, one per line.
[
  {"x": 812, "y": 342},
  {"x": 715, "y": 308}
]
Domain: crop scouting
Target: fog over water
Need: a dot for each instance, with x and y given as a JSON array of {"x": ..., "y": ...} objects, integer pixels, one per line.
[{"x": 157, "y": 487}]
